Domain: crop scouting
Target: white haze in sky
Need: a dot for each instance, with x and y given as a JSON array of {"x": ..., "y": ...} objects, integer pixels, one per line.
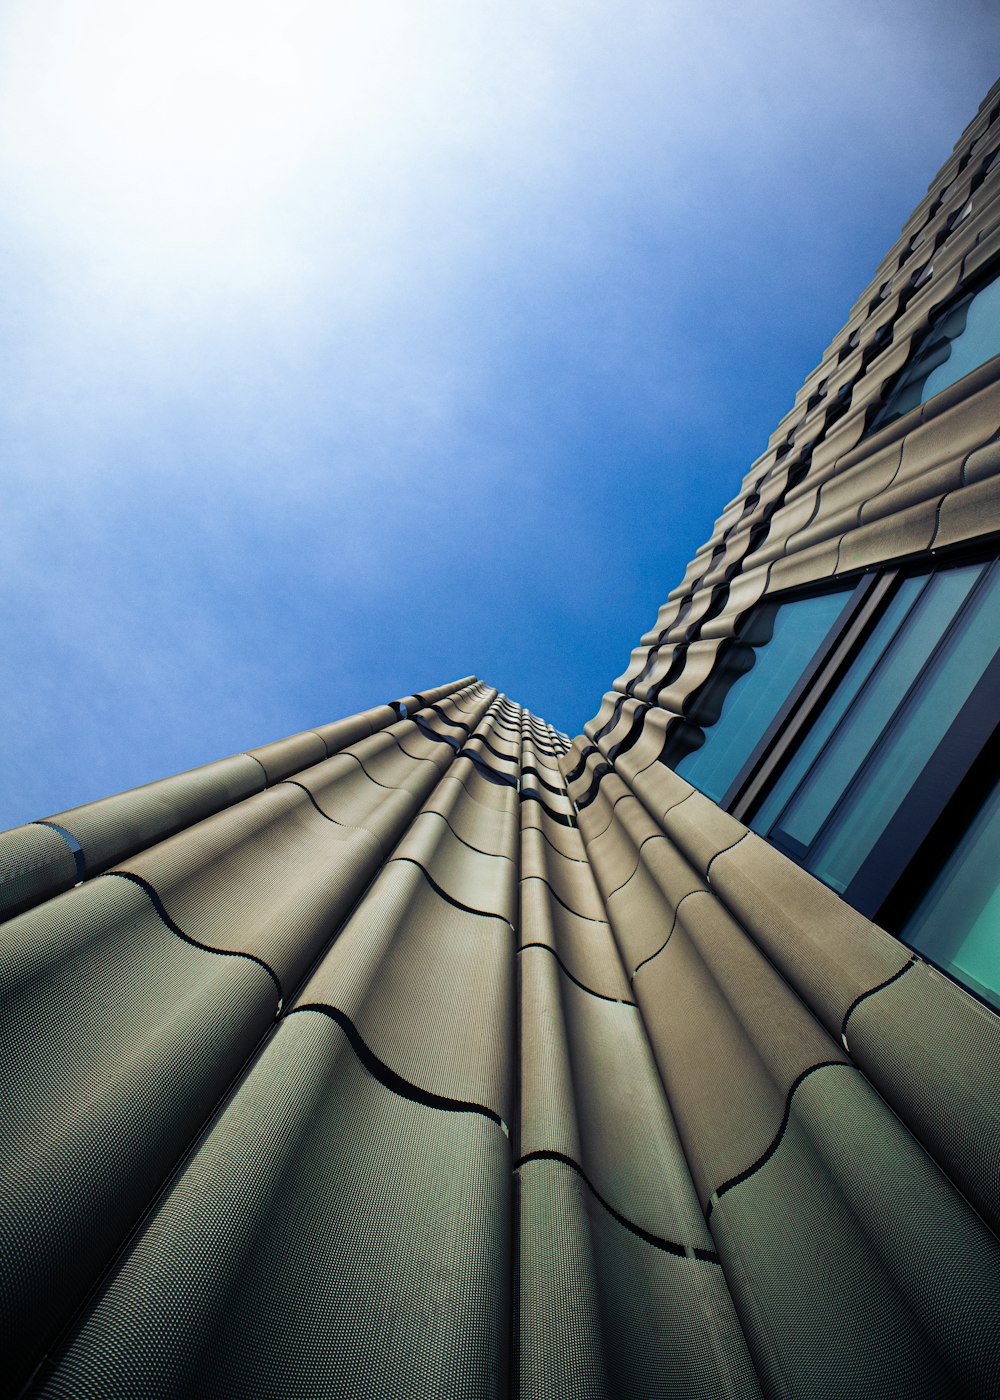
[{"x": 351, "y": 347}]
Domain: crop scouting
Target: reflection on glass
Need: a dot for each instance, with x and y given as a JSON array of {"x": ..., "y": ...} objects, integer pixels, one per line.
[
  {"x": 755, "y": 695},
  {"x": 867, "y": 719},
  {"x": 898, "y": 704},
  {"x": 958, "y": 340},
  {"x": 834, "y": 710},
  {"x": 918, "y": 727},
  {"x": 957, "y": 926}
]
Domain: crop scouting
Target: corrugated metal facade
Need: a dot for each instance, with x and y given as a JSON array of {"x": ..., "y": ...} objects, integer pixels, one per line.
[{"x": 426, "y": 1053}]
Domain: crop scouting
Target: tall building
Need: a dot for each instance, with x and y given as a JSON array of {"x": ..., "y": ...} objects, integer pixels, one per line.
[{"x": 428, "y": 1053}]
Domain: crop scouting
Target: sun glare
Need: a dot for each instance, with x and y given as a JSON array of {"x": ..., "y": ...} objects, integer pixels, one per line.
[{"x": 188, "y": 133}]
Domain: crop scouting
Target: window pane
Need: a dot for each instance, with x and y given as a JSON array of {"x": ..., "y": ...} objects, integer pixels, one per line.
[
  {"x": 960, "y": 338},
  {"x": 832, "y": 714},
  {"x": 917, "y": 731},
  {"x": 862, "y": 730},
  {"x": 755, "y": 696},
  {"x": 977, "y": 343},
  {"x": 957, "y": 926}
]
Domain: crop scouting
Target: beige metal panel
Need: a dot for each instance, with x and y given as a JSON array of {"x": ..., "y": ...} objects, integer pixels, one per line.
[
  {"x": 643, "y": 910},
  {"x": 485, "y": 883},
  {"x": 386, "y": 761},
  {"x": 933, "y": 1052},
  {"x": 571, "y": 880},
  {"x": 343, "y": 791},
  {"x": 484, "y": 828},
  {"x": 431, "y": 697},
  {"x": 745, "y": 592},
  {"x": 286, "y": 756},
  {"x": 416, "y": 744},
  {"x": 586, "y": 949},
  {"x": 428, "y": 987},
  {"x": 986, "y": 248},
  {"x": 595, "y": 818},
  {"x": 982, "y": 464},
  {"x": 730, "y": 1039},
  {"x": 649, "y": 745},
  {"x": 35, "y": 863},
  {"x": 579, "y": 787},
  {"x": 259, "y": 1274},
  {"x": 971, "y": 513},
  {"x": 663, "y": 790},
  {"x": 614, "y": 852},
  {"x": 698, "y": 665},
  {"x": 604, "y": 1313},
  {"x": 942, "y": 282},
  {"x": 631, "y": 1151},
  {"x": 500, "y": 797},
  {"x": 114, "y": 827},
  {"x": 701, "y": 829},
  {"x": 895, "y": 536},
  {"x": 659, "y": 788},
  {"x": 591, "y": 1092},
  {"x": 270, "y": 877},
  {"x": 341, "y": 732},
  {"x": 118, "y": 1038},
  {"x": 547, "y": 1106},
  {"x": 471, "y": 700},
  {"x": 639, "y": 657},
  {"x": 825, "y": 949},
  {"x": 843, "y": 498},
  {"x": 821, "y": 561},
  {"x": 934, "y": 452},
  {"x": 893, "y": 1277}
]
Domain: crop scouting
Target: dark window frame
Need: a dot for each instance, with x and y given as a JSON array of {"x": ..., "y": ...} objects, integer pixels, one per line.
[{"x": 946, "y": 793}]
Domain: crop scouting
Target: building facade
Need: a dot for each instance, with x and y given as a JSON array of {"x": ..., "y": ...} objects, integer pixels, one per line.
[{"x": 430, "y": 1053}]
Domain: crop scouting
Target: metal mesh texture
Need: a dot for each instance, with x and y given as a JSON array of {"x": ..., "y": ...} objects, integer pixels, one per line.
[
  {"x": 116, "y": 1040},
  {"x": 329, "y": 1238},
  {"x": 603, "y": 1313}
]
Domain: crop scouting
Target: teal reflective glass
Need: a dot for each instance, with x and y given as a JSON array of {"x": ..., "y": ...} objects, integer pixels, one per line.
[
  {"x": 834, "y": 710},
  {"x": 863, "y": 723},
  {"x": 900, "y": 715},
  {"x": 755, "y": 697},
  {"x": 957, "y": 926},
  {"x": 957, "y": 342}
]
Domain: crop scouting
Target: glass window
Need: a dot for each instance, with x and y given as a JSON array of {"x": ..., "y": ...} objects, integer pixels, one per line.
[
  {"x": 754, "y": 682},
  {"x": 961, "y": 337},
  {"x": 957, "y": 925},
  {"x": 903, "y": 691}
]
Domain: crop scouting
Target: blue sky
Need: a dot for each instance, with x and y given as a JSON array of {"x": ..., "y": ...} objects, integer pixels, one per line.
[{"x": 349, "y": 348}]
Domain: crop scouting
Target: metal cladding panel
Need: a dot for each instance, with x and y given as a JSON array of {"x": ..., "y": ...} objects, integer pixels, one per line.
[
  {"x": 343, "y": 791},
  {"x": 286, "y": 756},
  {"x": 856, "y": 1267},
  {"x": 114, "y": 827},
  {"x": 271, "y": 878},
  {"x": 483, "y": 828},
  {"x": 585, "y": 948},
  {"x": 117, "y": 1039},
  {"x": 35, "y": 863},
  {"x": 730, "y": 1038},
  {"x": 606, "y": 1313},
  {"x": 827, "y": 951},
  {"x": 483, "y": 883},
  {"x": 570, "y": 880},
  {"x": 934, "y": 1054},
  {"x": 330, "y": 1236},
  {"x": 628, "y": 1148},
  {"x": 644, "y": 909},
  {"x": 429, "y": 988},
  {"x": 341, "y": 732}
]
